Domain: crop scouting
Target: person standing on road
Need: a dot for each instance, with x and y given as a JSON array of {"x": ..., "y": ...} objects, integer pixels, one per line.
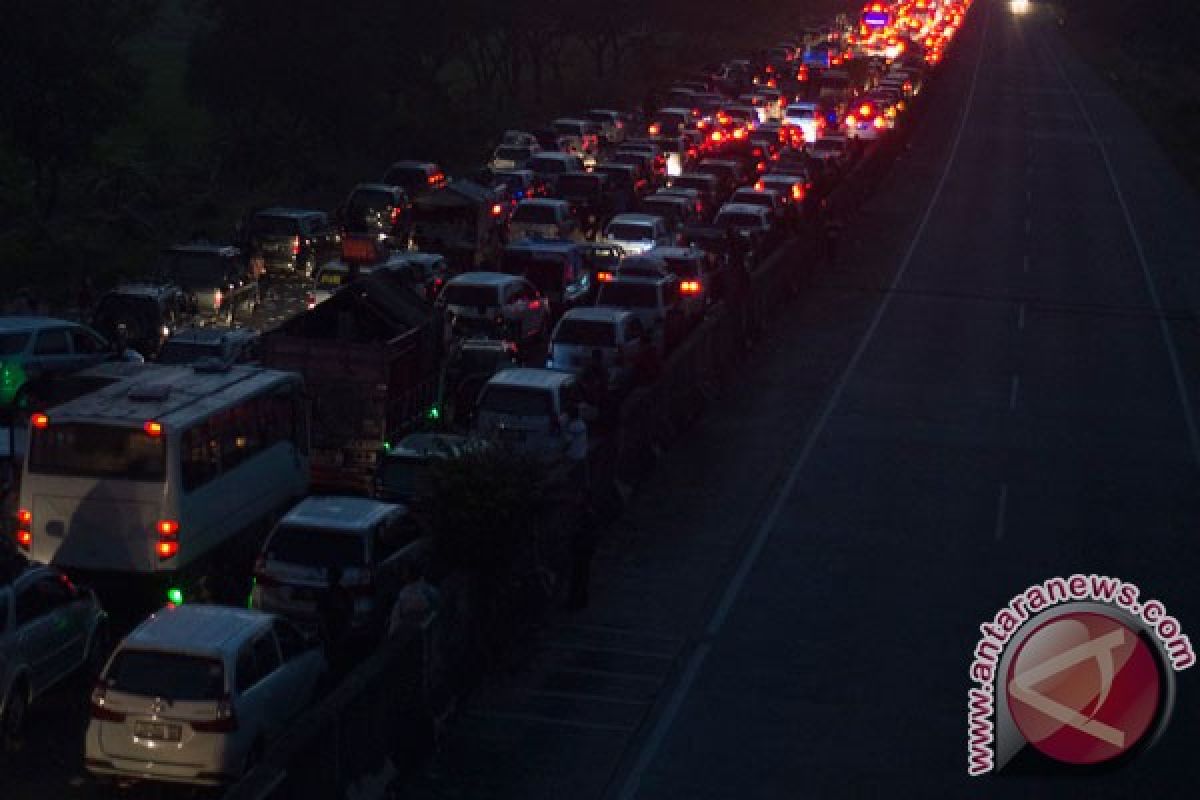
[{"x": 334, "y": 608}]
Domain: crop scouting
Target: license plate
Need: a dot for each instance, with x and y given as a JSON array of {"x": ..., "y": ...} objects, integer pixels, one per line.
[{"x": 159, "y": 731}]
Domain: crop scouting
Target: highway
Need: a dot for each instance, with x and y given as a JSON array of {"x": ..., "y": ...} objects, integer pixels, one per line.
[{"x": 995, "y": 386}]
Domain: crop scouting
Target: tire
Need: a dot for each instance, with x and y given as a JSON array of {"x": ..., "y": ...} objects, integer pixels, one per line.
[{"x": 16, "y": 708}]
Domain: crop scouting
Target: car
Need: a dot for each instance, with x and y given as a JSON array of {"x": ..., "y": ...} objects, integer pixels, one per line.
[
  {"x": 549, "y": 165},
  {"x": 557, "y": 269},
  {"x": 494, "y": 305},
  {"x": 708, "y": 185},
  {"x": 694, "y": 196},
  {"x": 637, "y": 233},
  {"x": 292, "y": 241},
  {"x": 730, "y": 174},
  {"x": 655, "y": 300},
  {"x": 465, "y": 369},
  {"x": 403, "y": 467},
  {"x": 677, "y": 211},
  {"x": 141, "y": 315},
  {"x": 526, "y": 409},
  {"x": 832, "y": 151},
  {"x": 198, "y": 344},
  {"x": 616, "y": 334},
  {"x": 612, "y": 123},
  {"x": 34, "y": 348},
  {"x": 806, "y": 118},
  {"x": 544, "y": 218},
  {"x": 648, "y": 265},
  {"x": 865, "y": 121},
  {"x": 669, "y": 121},
  {"x": 753, "y": 223},
  {"x": 196, "y": 693},
  {"x": 647, "y": 177},
  {"x": 377, "y": 209},
  {"x": 793, "y": 188},
  {"x": 513, "y": 156},
  {"x": 769, "y": 199},
  {"x": 585, "y": 136},
  {"x": 593, "y": 200},
  {"x": 654, "y": 157},
  {"x": 628, "y": 182},
  {"x": 218, "y": 279},
  {"x": 700, "y": 273},
  {"x": 424, "y": 273},
  {"x": 50, "y": 629},
  {"x": 358, "y": 535},
  {"x": 417, "y": 178}
]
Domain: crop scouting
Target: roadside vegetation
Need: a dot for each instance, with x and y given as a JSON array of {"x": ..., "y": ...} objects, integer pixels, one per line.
[{"x": 129, "y": 124}]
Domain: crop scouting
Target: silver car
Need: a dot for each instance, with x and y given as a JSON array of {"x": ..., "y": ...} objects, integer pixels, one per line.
[
  {"x": 196, "y": 693},
  {"x": 49, "y": 629}
]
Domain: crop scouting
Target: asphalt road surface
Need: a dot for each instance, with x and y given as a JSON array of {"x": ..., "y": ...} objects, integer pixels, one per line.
[{"x": 995, "y": 387}]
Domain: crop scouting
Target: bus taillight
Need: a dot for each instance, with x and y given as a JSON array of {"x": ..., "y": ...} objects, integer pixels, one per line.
[
  {"x": 167, "y": 548},
  {"x": 167, "y": 528},
  {"x": 25, "y": 539}
]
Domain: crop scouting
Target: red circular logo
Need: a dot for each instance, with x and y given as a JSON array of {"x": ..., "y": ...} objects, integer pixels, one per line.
[{"x": 1083, "y": 688}]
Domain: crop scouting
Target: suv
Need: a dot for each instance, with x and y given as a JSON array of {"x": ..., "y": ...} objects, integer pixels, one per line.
[
  {"x": 217, "y": 278},
  {"x": 637, "y": 233},
  {"x": 360, "y": 536},
  {"x": 196, "y": 693},
  {"x": 292, "y": 240},
  {"x": 467, "y": 367},
  {"x": 557, "y": 269},
  {"x": 752, "y": 223},
  {"x": 655, "y": 301},
  {"x": 402, "y": 470},
  {"x": 377, "y": 208},
  {"x": 526, "y": 409},
  {"x": 141, "y": 315},
  {"x": 699, "y": 274},
  {"x": 192, "y": 345},
  {"x": 415, "y": 177},
  {"x": 49, "y": 629},
  {"x": 35, "y": 347},
  {"x": 495, "y": 305},
  {"x": 544, "y": 218},
  {"x": 615, "y": 333}
]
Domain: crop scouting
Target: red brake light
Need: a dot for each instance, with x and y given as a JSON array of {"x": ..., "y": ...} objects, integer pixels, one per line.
[
  {"x": 717, "y": 136},
  {"x": 604, "y": 277},
  {"x": 497, "y": 210},
  {"x": 39, "y": 421},
  {"x": 167, "y": 527},
  {"x": 864, "y": 110},
  {"x": 654, "y": 129},
  {"x": 534, "y": 305},
  {"x": 295, "y": 245},
  {"x": 167, "y": 548},
  {"x": 797, "y": 192},
  {"x": 689, "y": 287},
  {"x": 25, "y": 539},
  {"x": 152, "y": 428},
  {"x": 24, "y": 516}
]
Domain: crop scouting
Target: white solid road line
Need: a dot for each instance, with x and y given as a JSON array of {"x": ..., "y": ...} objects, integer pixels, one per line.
[
  {"x": 662, "y": 726},
  {"x": 1188, "y": 418}
]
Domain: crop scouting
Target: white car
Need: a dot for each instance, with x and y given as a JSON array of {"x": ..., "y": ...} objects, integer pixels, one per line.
[
  {"x": 637, "y": 233},
  {"x": 805, "y": 117},
  {"x": 196, "y": 693}
]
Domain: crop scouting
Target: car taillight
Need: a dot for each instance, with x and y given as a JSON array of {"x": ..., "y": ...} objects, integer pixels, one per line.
[
  {"x": 295, "y": 245},
  {"x": 396, "y": 214},
  {"x": 604, "y": 277},
  {"x": 224, "y": 721},
  {"x": 851, "y": 120},
  {"x": 689, "y": 287},
  {"x": 99, "y": 709},
  {"x": 217, "y": 298},
  {"x": 310, "y": 300}
]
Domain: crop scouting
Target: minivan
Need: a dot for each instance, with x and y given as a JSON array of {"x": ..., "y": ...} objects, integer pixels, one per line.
[{"x": 526, "y": 409}]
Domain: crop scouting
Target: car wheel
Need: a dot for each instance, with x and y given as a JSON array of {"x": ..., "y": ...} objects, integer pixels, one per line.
[{"x": 15, "y": 709}]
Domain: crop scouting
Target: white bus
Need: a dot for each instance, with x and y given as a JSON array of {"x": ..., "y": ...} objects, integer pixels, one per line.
[{"x": 161, "y": 471}]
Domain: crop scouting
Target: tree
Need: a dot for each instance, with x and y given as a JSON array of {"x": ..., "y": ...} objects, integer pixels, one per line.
[{"x": 68, "y": 79}]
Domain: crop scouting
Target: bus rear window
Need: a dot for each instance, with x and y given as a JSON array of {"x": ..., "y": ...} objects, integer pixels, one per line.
[{"x": 97, "y": 451}]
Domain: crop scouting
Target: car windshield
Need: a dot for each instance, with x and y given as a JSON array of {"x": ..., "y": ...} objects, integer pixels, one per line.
[
  {"x": 739, "y": 219},
  {"x": 272, "y": 225},
  {"x": 517, "y": 401},
  {"x": 620, "y": 294},
  {"x": 464, "y": 294},
  {"x": 171, "y": 676},
  {"x": 195, "y": 271},
  {"x": 535, "y": 214},
  {"x": 577, "y": 184},
  {"x": 631, "y": 232},
  {"x": 97, "y": 451},
  {"x": 12, "y": 343},
  {"x": 316, "y": 547},
  {"x": 187, "y": 352},
  {"x": 592, "y": 332}
]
